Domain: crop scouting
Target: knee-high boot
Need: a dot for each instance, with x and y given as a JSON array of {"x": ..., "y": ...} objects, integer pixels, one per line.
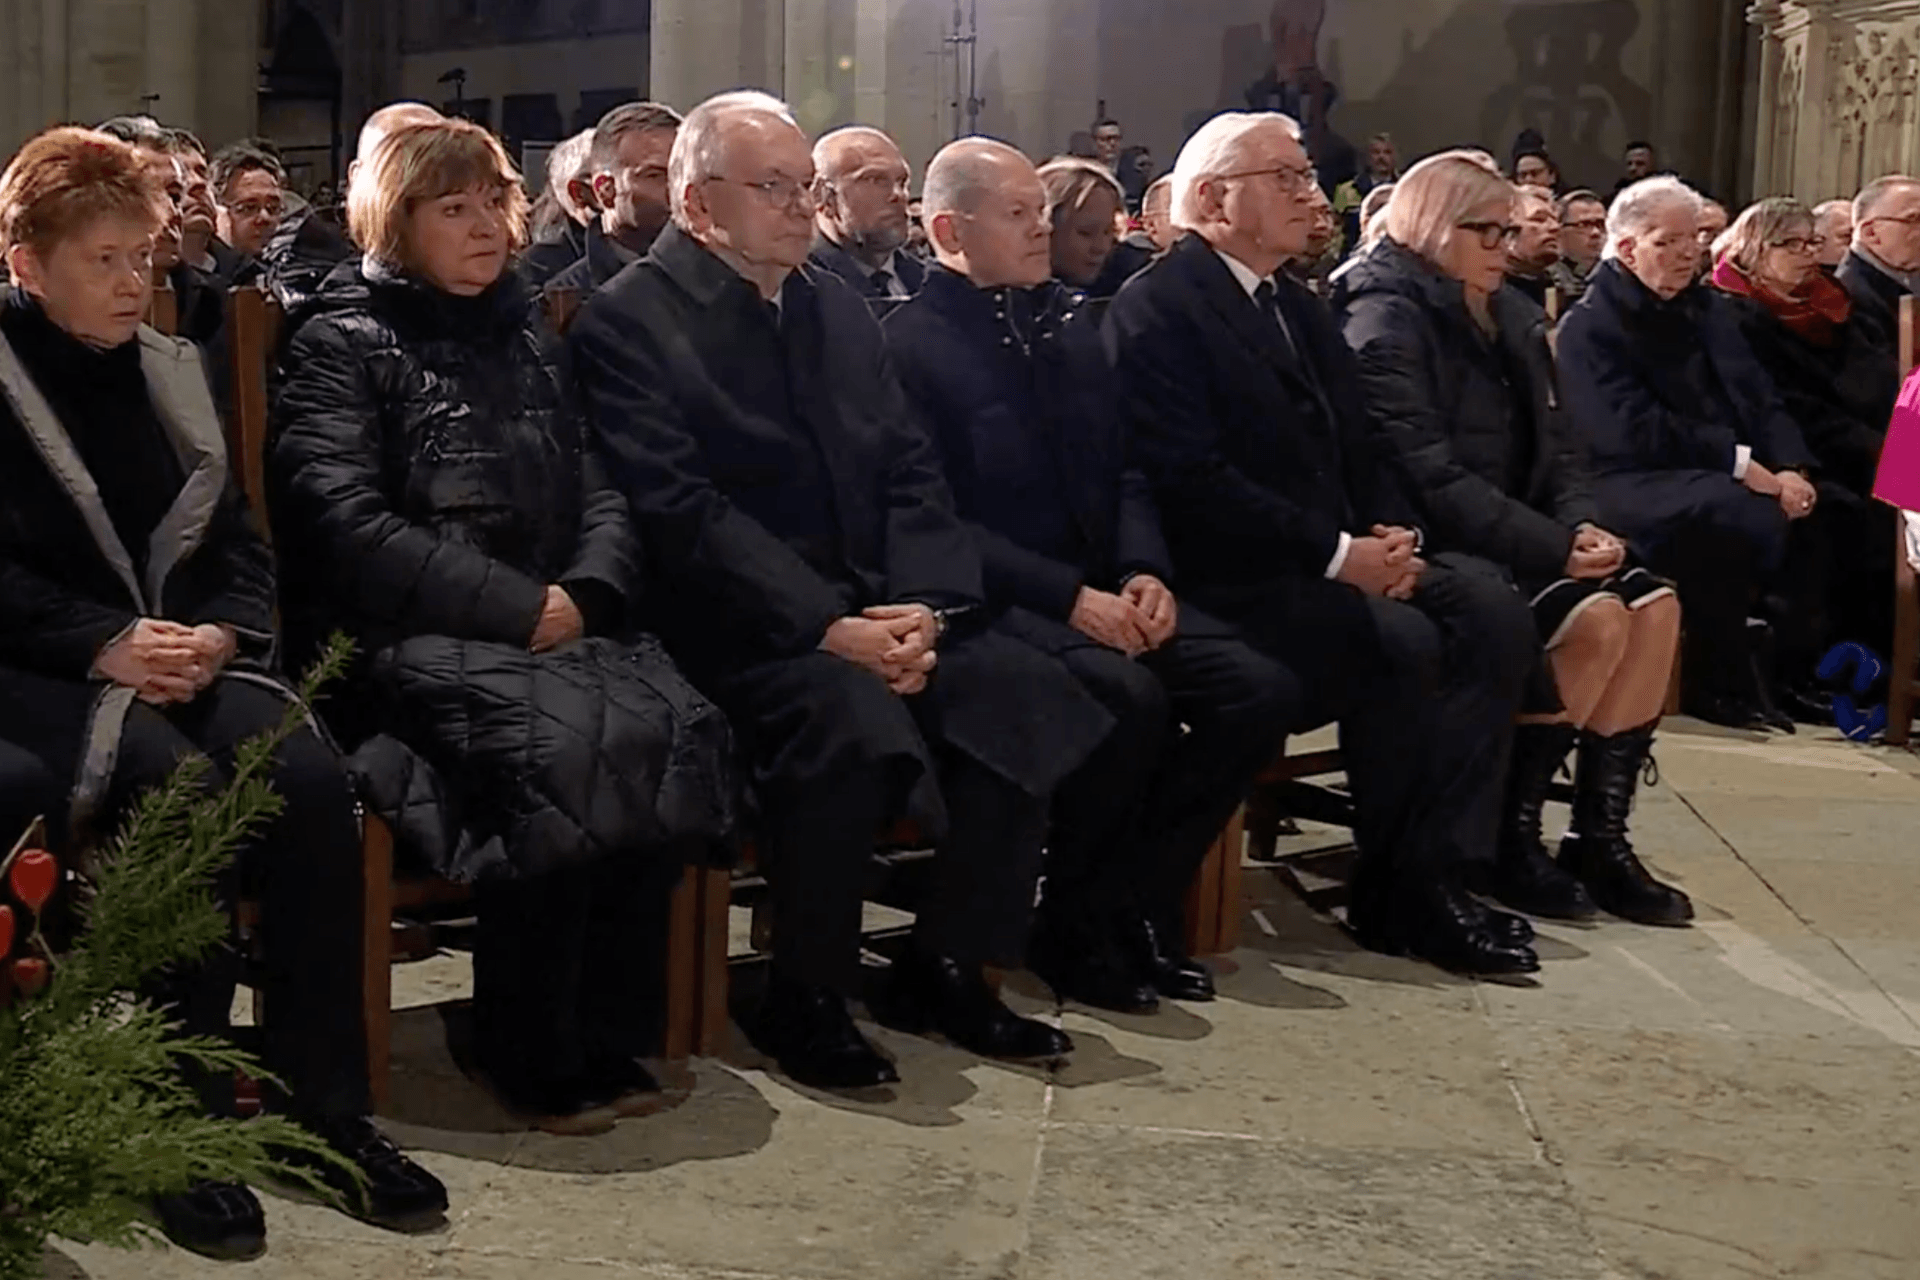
[
  {"x": 1523, "y": 876},
  {"x": 1596, "y": 849}
]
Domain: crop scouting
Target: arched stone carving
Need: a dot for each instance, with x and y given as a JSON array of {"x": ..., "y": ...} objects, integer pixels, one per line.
[{"x": 1838, "y": 94}]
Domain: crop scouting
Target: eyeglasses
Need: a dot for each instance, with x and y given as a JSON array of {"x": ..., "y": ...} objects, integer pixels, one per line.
[
  {"x": 1587, "y": 224},
  {"x": 1294, "y": 178},
  {"x": 256, "y": 209},
  {"x": 780, "y": 193},
  {"x": 1905, "y": 219},
  {"x": 1796, "y": 244},
  {"x": 1492, "y": 234}
]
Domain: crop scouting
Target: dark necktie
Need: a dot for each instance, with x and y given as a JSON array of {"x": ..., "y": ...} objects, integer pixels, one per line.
[
  {"x": 882, "y": 281},
  {"x": 1268, "y": 300}
]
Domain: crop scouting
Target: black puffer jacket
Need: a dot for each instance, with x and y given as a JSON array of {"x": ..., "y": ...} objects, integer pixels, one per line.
[
  {"x": 430, "y": 477},
  {"x": 298, "y": 257},
  {"x": 1477, "y": 418}
]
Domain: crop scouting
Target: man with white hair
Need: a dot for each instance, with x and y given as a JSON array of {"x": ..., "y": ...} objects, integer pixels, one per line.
[
  {"x": 1156, "y": 214},
  {"x": 1696, "y": 460},
  {"x": 1031, "y": 434},
  {"x": 1884, "y": 265},
  {"x": 811, "y": 575},
  {"x": 862, "y": 222},
  {"x": 306, "y": 247},
  {"x": 1833, "y": 227},
  {"x": 561, "y": 216},
  {"x": 1290, "y": 515}
]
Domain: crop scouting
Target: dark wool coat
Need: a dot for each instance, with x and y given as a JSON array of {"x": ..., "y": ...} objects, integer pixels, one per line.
[
  {"x": 430, "y": 477},
  {"x": 1015, "y": 386},
  {"x": 780, "y": 484},
  {"x": 909, "y": 270},
  {"x": 1478, "y": 419},
  {"x": 1662, "y": 393}
]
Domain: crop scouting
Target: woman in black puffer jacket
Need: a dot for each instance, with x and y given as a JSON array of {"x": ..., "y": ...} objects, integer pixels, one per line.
[
  {"x": 434, "y": 494},
  {"x": 1455, "y": 365}
]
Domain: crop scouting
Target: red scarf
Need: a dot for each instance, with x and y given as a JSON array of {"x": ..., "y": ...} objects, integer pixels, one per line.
[{"x": 1815, "y": 311}]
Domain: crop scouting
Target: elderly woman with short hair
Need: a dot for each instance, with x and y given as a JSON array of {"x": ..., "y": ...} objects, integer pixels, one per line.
[
  {"x": 436, "y": 495},
  {"x": 1696, "y": 460},
  {"x": 1799, "y": 322},
  {"x": 1454, "y": 364},
  {"x": 137, "y": 629}
]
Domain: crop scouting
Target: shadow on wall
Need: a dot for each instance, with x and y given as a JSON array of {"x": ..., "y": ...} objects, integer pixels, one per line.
[{"x": 1489, "y": 70}]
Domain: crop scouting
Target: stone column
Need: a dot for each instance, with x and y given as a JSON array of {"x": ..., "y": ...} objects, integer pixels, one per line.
[
  {"x": 1765, "y": 14},
  {"x": 695, "y": 50},
  {"x": 173, "y": 57},
  {"x": 106, "y": 58},
  {"x": 229, "y": 70},
  {"x": 819, "y": 62},
  {"x": 369, "y": 62}
]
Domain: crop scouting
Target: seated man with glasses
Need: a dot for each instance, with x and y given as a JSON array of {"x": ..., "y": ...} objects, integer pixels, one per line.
[
  {"x": 249, "y": 196},
  {"x": 1289, "y": 513},
  {"x": 814, "y": 580},
  {"x": 1583, "y": 234},
  {"x": 1883, "y": 267},
  {"x": 862, "y": 222}
]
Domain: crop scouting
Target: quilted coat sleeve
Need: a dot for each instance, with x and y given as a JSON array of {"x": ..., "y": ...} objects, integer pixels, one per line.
[
  {"x": 244, "y": 600},
  {"x": 327, "y": 455},
  {"x": 46, "y": 628}
]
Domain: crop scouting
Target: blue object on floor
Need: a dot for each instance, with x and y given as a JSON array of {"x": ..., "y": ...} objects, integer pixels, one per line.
[
  {"x": 1858, "y": 724},
  {"x": 1853, "y": 663}
]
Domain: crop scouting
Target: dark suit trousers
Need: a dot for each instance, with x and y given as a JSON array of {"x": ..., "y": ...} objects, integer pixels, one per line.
[
  {"x": 305, "y": 868},
  {"x": 837, "y": 756},
  {"x": 1196, "y": 719},
  {"x": 1425, "y": 693}
]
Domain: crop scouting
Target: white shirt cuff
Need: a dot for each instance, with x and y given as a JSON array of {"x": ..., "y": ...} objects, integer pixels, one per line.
[
  {"x": 1742, "y": 458},
  {"x": 1339, "y": 561}
]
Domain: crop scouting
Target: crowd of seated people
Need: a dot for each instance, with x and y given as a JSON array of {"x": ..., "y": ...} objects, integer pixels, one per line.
[{"x": 1042, "y": 539}]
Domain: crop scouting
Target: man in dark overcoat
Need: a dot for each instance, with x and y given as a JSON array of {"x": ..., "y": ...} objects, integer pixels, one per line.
[
  {"x": 862, "y": 223},
  {"x": 1290, "y": 515},
  {"x": 1015, "y": 384},
  {"x": 817, "y": 584}
]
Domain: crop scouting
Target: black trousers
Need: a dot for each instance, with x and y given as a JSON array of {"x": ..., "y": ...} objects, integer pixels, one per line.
[
  {"x": 27, "y": 791},
  {"x": 1195, "y": 721},
  {"x": 305, "y": 868},
  {"x": 562, "y": 964},
  {"x": 1425, "y": 692},
  {"x": 837, "y": 756}
]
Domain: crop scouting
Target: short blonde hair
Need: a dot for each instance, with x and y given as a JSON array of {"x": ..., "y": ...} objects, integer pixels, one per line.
[
  {"x": 423, "y": 162},
  {"x": 1070, "y": 181},
  {"x": 1431, "y": 198},
  {"x": 1760, "y": 226}
]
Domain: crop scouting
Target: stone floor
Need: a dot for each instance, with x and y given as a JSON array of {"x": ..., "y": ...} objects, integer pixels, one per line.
[{"x": 1739, "y": 1099}]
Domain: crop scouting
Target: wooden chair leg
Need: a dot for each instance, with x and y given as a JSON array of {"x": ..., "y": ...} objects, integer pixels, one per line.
[
  {"x": 1203, "y": 905},
  {"x": 376, "y": 860},
  {"x": 681, "y": 1012},
  {"x": 1230, "y": 850},
  {"x": 715, "y": 897},
  {"x": 1905, "y": 659}
]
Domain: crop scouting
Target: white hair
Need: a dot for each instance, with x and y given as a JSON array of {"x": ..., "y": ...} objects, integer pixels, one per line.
[
  {"x": 1873, "y": 194},
  {"x": 565, "y": 163},
  {"x": 698, "y": 147},
  {"x": 1212, "y": 151},
  {"x": 1640, "y": 206}
]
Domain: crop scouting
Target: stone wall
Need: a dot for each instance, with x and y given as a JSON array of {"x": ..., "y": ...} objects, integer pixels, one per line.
[{"x": 1837, "y": 94}]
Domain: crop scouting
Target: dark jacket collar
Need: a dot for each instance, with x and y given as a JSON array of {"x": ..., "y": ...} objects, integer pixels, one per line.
[
  {"x": 1621, "y": 289},
  {"x": 700, "y": 272},
  {"x": 1389, "y": 267},
  {"x": 1039, "y": 310}
]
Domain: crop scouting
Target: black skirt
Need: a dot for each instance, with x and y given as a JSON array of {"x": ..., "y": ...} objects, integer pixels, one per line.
[{"x": 1560, "y": 602}]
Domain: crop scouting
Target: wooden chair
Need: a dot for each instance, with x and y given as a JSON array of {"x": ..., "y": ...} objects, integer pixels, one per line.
[
  {"x": 1903, "y": 678},
  {"x": 253, "y": 329}
]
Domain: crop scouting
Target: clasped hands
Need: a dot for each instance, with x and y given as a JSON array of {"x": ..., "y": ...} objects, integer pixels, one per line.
[
  {"x": 1138, "y": 619},
  {"x": 1794, "y": 491},
  {"x": 1384, "y": 563},
  {"x": 1596, "y": 554},
  {"x": 166, "y": 662},
  {"x": 894, "y": 641}
]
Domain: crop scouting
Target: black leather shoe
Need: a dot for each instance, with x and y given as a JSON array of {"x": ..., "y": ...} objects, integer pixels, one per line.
[
  {"x": 935, "y": 993},
  {"x": 1522, "y": 875},
  {"x": 1087, "y": 965},
  {"x": 220, "y": 1220},
  {"x": 1443, "y": 926},
  {"x": 1596, "y": 848},
  {"x": 397, "y": 1193},
  {"x": 1506, "y": 927},
  {"x": 1157, "y": 957},
  {"x": 809, "y": 1032}
]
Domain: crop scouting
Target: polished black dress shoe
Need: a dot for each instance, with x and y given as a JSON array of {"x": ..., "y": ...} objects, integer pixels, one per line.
[
  {"x": 1506, "y": 927},
  {"x": 1086, "y": 965},
  {"x": 1446, "y": 928},
  {"x": 936, "y": 993},
  {"x": 396, "y": 1193},
  {"x": 808, "y": 1031},
  {"x": 1158, "y": 958},
  {"x": 220, "y": 1220}
]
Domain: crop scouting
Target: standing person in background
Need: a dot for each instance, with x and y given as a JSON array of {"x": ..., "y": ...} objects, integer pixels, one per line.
[
  {"x": 1457, "y": 369},
  {"x": 1534, "y": 251},
  {"x": 1638, "y": 161},
  {"x": 1583, "y": 234},
  {"x": 627, "y": 171},
  {"x": 559, "y": 222},
  {"x": 860, "y": 228},
  {"x": 1833, "y": 229},
  {"x": 1108, "y": 138},
  {"x": 1535, "y": 168},
  {"x": 1383, "y": 166}
]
